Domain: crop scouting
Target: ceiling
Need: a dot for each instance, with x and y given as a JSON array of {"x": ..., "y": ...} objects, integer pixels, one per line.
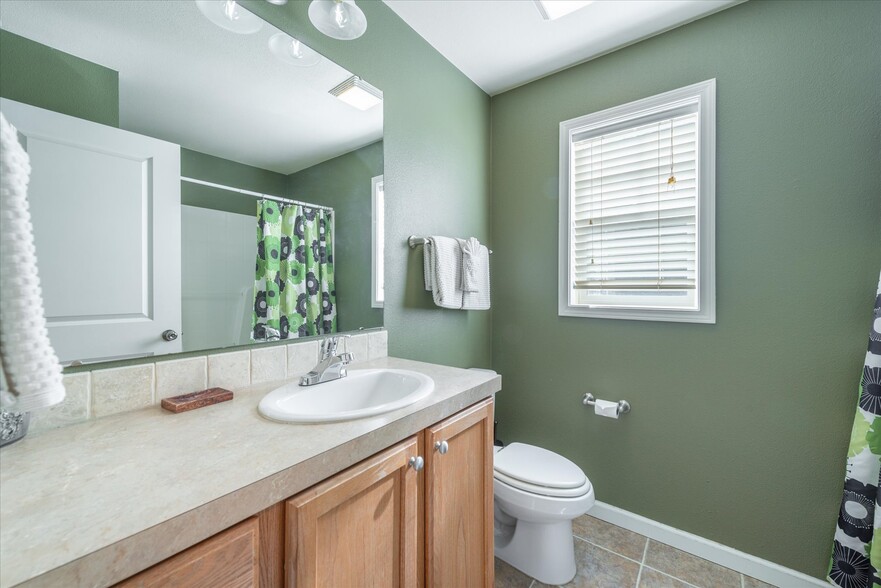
[
  {"x": 186, "y": 80},
  {"x": 502, "y": 44}
]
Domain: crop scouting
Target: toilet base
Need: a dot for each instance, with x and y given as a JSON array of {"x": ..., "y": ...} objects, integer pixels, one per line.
[{"x": 545, "y": 551}]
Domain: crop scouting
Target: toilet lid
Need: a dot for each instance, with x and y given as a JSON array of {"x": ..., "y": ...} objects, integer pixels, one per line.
[
  {"x": 539, "y": 467},
  {"x": 536, "y": 490}
]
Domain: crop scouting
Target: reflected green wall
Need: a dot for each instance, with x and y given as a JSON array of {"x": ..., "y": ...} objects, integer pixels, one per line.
[
  {"x": 436, "y": 142},
  {"x": 209, "y": 168},
  {"x": 739, "y": 430},
  {"x": 41, "y": 76},
  {"x": 344, "y": 183}
]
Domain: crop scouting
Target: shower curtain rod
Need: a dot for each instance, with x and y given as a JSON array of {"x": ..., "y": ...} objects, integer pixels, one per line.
[{"x": 255, "y": 194}]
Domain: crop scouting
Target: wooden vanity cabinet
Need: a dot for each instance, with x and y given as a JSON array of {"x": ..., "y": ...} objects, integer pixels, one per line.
[
  {"x": 459, "y": 500},
  {"x": 416, "y": 515},
  {"x": 383, "y": 523}
]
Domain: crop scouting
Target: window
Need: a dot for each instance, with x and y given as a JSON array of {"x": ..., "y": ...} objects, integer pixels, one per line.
[
  {"x": 377, "y": 281},
  {"x": 637, "y": 218}
]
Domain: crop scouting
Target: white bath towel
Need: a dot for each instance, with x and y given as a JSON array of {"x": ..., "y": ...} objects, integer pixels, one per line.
[
  {"x": 475, "y": 276},
  {"x": 443, "y": 271},
  {"x": 31, "y": 367}
]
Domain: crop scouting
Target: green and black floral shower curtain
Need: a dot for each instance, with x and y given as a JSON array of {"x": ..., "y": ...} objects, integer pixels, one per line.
[
  {"x": 294, "y": 293},
  {"x": 856, "y": 553}
]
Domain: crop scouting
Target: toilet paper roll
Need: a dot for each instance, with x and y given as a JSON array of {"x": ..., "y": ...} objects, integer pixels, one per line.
[{"x": 606, "y": 408}]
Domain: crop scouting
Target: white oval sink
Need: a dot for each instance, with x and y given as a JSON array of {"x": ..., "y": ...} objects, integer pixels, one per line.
[{"x": 361, "y": 394}]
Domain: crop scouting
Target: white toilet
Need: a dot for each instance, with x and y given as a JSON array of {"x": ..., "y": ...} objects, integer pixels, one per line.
[{"x": 537, "y": 494}]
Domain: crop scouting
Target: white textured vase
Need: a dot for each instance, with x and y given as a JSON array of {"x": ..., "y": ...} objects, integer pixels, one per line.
[{"x": 32, "y": 370}]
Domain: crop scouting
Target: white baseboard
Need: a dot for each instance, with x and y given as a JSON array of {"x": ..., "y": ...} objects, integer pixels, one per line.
[{"x": 723, "y": 555}]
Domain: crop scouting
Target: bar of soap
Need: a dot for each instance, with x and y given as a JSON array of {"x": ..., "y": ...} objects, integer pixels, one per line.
[{"x": 195, "y": 400}]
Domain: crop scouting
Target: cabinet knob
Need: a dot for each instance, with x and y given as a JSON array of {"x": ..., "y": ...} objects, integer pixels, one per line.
[
  {"x": 416, "y": 463},
  {"x": 442, "y": 447},
  {"x": 169, "y": 335}
]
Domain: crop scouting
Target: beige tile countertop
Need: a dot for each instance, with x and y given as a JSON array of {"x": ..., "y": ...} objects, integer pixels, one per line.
[{"x": 94, "y": 503}]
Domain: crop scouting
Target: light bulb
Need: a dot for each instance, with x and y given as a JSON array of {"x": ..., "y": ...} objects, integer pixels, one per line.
[
  {"x": 341, "y": 15},
  {"x": 296, "y": 50},
  {"x": 231, "y": 10},
  {"x": 339, "y": 19},
  {"x": 292, "y": 51},
  {"x": 229, "y": 15}
]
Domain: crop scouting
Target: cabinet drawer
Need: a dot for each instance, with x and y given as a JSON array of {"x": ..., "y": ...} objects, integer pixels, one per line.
[{"x": 226, "y": 560}]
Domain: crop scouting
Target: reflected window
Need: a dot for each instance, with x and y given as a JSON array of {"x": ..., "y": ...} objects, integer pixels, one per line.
[{"x": 377, "y": 281}]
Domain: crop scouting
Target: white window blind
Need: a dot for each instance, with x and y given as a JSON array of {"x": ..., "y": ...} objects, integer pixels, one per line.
[
  {"x": 637, "y": 209},
  {"x": 634, "y": 205}
]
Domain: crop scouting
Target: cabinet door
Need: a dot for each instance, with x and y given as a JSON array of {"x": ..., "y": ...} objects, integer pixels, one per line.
[
  {"x": 358, "y": 528},
  {"x": 226, "y": 560},
  {"x": 459, "y": 500}
]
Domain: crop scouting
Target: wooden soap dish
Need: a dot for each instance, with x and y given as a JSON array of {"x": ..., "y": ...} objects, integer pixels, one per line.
[{"x": 194, "y": 400}]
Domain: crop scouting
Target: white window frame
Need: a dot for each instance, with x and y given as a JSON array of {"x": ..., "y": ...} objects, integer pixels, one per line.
[
  {"x": 703, "y": 95},
  {"x": 377, "y": 238}
]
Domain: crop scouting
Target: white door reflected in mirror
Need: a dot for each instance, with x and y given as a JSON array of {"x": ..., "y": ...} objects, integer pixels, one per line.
[{"x": 105, "y": 205}]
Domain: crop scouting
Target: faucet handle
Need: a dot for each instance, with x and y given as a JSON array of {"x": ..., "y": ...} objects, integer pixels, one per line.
[
  {"x": 329, "y": 345},
  {"x": 347, "y": 358}
]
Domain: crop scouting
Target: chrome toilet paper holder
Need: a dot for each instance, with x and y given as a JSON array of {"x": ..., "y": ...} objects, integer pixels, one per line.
[{"x": 590, "y": 400}]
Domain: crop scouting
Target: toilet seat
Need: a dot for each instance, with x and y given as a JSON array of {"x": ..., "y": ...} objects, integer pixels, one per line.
[
  {"x": 539, "y": 471},
  {"x": 544, "y": 490}
]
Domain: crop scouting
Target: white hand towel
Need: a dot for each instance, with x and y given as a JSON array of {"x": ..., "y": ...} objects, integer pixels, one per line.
[
  {"x": 31, "y": 367},
  {"x": 479, "y": 297},
  {"x": 470, "y": 264},
  {"x": 443, "y": 271},
  {"x": 427, "y": 264}
]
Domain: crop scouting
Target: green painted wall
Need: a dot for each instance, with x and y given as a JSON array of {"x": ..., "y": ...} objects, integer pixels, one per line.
[
  {"x": 344, "y": 183},
  {"x": 41, "y": 76},
  {"x": 436, "y": 143},
  {"x": 210, "y": 168},
  {"x": 739, "y": 430}
]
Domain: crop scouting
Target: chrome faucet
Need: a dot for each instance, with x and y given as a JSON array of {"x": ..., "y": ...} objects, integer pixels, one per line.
[{"x": 332, "y": 366}]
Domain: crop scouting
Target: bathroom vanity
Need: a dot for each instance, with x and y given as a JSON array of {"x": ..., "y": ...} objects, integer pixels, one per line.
[{"x": 223, "y": 497}]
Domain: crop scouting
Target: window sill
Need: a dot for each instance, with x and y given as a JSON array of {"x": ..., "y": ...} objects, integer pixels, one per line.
[{"x": 641, "y": 314}]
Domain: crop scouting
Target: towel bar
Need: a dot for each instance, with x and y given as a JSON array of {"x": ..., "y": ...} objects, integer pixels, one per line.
[{"x": 415, "y": 241}]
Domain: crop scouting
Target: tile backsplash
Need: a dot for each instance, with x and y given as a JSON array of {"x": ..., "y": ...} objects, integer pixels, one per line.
[
  {"x": 103, "y": 392},
  {"x": 121, "y": 389},
  {"x": 180, "y": 376},
  {"x": 230, "y": 370}
]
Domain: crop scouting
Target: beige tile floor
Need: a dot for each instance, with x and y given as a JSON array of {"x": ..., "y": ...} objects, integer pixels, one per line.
[{"x": 611, "y": 557}]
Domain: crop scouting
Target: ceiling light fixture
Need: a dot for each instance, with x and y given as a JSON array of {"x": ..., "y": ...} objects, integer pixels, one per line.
[
  {"x": 358, "y": 93},
  {"x": 278, "y": 2},
  {"x": 339, "y": 19},
  {"x": 554, "y": 9},
  {"x": 227, "y": 14},
  {"x": 292, "y": 51}
]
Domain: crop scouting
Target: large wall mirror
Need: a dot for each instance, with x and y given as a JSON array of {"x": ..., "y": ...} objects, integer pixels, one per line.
[{"x": 195, "y": 182}]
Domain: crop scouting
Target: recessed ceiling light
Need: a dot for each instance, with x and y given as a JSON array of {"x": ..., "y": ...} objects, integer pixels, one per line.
[
  {"x": 358, "y": 93},
  {"x": 554, "y": 9}
]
